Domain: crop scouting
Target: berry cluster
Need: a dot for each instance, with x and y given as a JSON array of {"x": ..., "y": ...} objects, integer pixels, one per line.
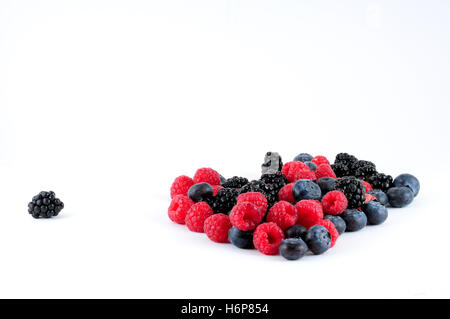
[
  {"x": 296, "y": 208},
  {"x": 45, "y": 205}
]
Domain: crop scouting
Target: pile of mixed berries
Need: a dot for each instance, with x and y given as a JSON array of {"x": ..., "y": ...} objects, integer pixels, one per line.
[{"x": 297, "y": 208}]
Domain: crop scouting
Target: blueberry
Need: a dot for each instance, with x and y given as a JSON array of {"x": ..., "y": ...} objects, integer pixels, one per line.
[
  {"x": 354, "y": 219},
  {"x": 318, "y": 239},
  {"x": 306, "y": 189},
  {"x": 326, "y": 184},
  {"x": 303, "y": 157},
  {"x": 380, "y": 195},
  {"x": 296, "y": 231},
  {"x": 200, "y": 192},
  {"x": 241, "y": 239},
  {"x": 312, "y": 166},
  {"x": 293, "y": 248},
  {"x": 408, "y": 180},
  {"x": 375, "y": 212},
  {"x": 222, "y": 179},
  {"x": 400, "y": 196},
  {"x": 338, "y": 222}
]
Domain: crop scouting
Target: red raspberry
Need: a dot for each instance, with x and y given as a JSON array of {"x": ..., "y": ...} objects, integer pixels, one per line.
[
  {"x": 328, "y": 224},
  {"x": 367, "y": 186},
  {"x": 283, "y": 214},
  {"x": 245, "y": 216},
  {"x": 196, "y": 216},
  {"x": 309, "y": 212},
  {"x": 291, "y": 169},
  {"x": 179, "y": 207},
  {"x": 319, "y": 160},
  {"x": 207, "y": 175},
  {"x": 286, "y": 193},
  {"x": 369, "y": 198},
  {"x": 324, "y": 170},
  {"x": 334, "y": 203},
  {"x": 181, "y": 185},
  {"x": 267, "y": 238},
  {"x": 257, "y": 199},
  {"x": 217, "y": 227},
  {"x": 305, "y": 174},
  {"x": 216, "y": 189}
]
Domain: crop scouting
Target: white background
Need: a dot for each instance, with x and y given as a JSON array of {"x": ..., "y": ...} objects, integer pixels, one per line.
[{"x": 106, "y": 102}]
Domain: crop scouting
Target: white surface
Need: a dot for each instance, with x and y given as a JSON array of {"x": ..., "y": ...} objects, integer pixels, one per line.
[{"x": 106, "y": 102}]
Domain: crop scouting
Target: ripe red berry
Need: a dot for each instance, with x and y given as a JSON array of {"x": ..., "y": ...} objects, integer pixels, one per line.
[
  {"x": 319, "y": 160},
  {"x": 286, "y": 193},
  {"x": 305, "y": 174},
  {"x": 181, "y": 185},
  {"x": 309, "y": 212},
  {"x": 196, "y": 216},
  {"x": 324, "y": 170},
  {"x": 334, "y": 203},
  {"x": 283, "y": 214},
  {"x": 179, "y": 207},
  {"x": 217, "y": 227},
  {"x": 267, "y": 238},
  {"x": 292, "y": 169},
  {"x": 216, "y": 189},
  {"x": 257, "y": 199},
  {"x": 328, "y": 224},
  {"x": 245, "y": 216},
  {"x": 207, "y": 175},
  {"x": 367, "y": 186},
  {"x": 369, "y": 198}
]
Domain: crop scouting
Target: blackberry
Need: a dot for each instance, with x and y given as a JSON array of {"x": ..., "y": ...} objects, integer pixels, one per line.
[
  {"x": 45, "y": 205},
  {"x": 268, "y": 190},
  {"x": 224, "y": 200},
  {"x": 381, "y": 181},
  {"x": 365, "y": 172},
  {"x": 345, "y": 159},
  {"x": 359, "y": 164},
  {"x": 341, "y": 169},
  {"x": 353, "y": 189},
  {"x": 278, "y": 180},
  {"x": 235, "y": 182}
]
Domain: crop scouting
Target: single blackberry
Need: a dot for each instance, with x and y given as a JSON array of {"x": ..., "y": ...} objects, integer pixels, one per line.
[
  {"x": 278, "y": 180},
  {"x": 359, "y": 164},
  {"x": 341, "y": 169},
  {"x": 268, "y": 190},
  {"x": 353, "y": 189},
  {"x": 381, "y": 181},
  {"x": 345, "y": 158},
  {"x": 224, "y": 200},
  {"x": 235, "y": 182},
  {"x": 45, "y": 205},
  {"x": 365, "y": 172}
]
